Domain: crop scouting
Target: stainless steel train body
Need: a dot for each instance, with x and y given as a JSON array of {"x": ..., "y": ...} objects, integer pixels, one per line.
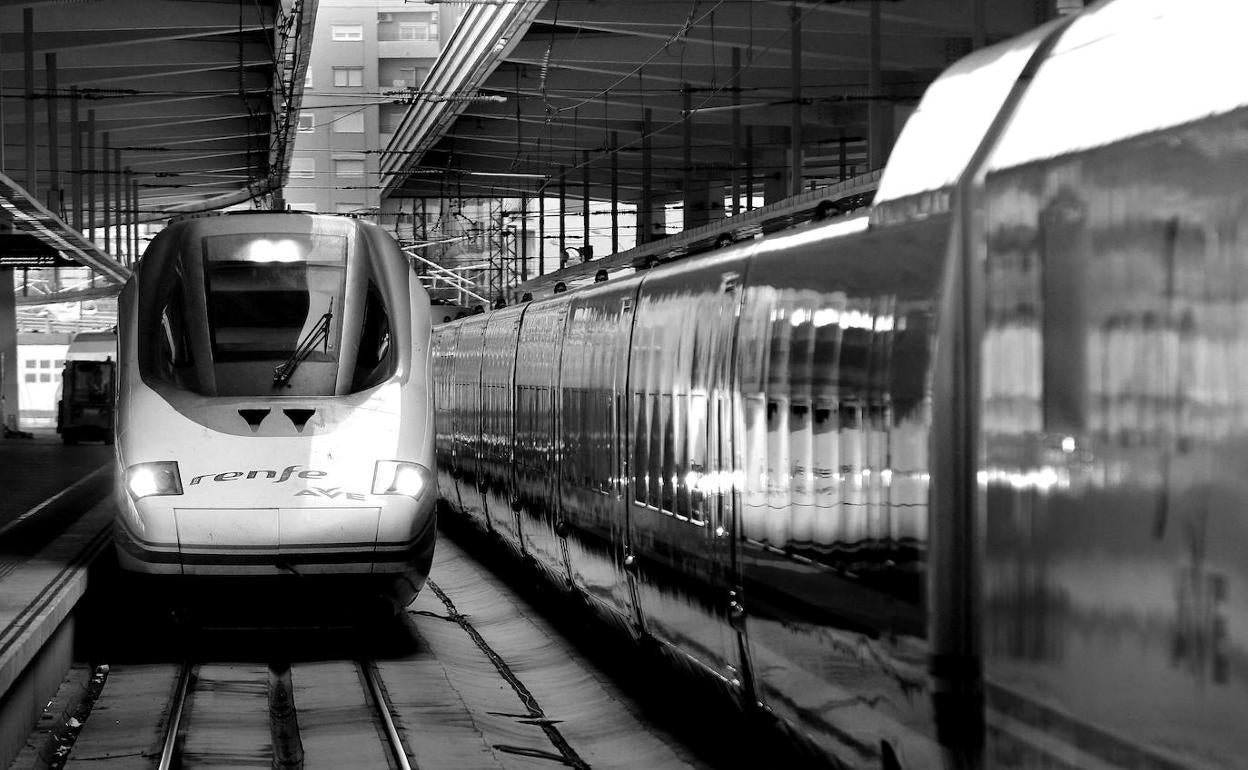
[
  {"x": 958, "y": 483},
  {"x": 275, "y": 405}
]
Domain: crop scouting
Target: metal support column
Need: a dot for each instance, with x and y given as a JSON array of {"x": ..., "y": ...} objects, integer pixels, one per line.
[
  {"x": 584, "y": 203},
  {"x": 524, "y": 238},
  {"x": 541, "y": 231},
  {"x": 749, "y": 168},
  {"x": 878, "y": 124},
  {"x": 615, "y": 193},
  {"x": 127, "y": 230},
  {"x": 120, "y": 200},
  {"x": 134, "y": 215},
  {"x": 735, "y": 161},
  {"x": 54, "y": 137},
  {"x": 4, "y": 169},
  {"x": 795, "y": 114},
  {"x": 89, "y": 165},
  {"x": 686, "y": 153},
  {"x": 563, "y": 214},
  {"x": 645, "y": 214},
  {"x": 75, "y": 158},
  {"x": 107, "y": 183},
  {"x": 9, "y": 368},
  {"x": 28, "y": 76}
]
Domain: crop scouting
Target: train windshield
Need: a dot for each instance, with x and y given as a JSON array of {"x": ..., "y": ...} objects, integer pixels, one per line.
[
  {"x": 273, "y": 304},
  {"x": 268, "y": 295}
]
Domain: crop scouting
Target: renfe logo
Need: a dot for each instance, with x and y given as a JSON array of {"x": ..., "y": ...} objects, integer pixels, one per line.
[{"x": 286, "y": 473}]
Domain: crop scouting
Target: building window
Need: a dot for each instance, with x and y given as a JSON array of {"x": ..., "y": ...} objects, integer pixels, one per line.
[
  {"x": 348, "y": 32},
  {"x": 390, "y": 121},
  {"x": 348, "y": 77},
  {"x": 302, "y": 168},
  {"x": 31, "y": 377},
  {"x": 45, "y": 377},
  {"x": 423, "y": 26},
  {"x": 45, "y": 364},
  {"x": 349, "y": 167},
  {"x": 349, "y": 122},
  {"x": 307, "y": 122}
]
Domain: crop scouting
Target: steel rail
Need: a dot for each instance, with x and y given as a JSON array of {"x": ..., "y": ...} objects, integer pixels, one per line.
[
  {"x": 383, "y": 710},
  {"x": 175, "y": 718}
]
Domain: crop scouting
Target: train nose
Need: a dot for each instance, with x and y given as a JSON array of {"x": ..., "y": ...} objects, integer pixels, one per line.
[{"x": 261, "y": 531}]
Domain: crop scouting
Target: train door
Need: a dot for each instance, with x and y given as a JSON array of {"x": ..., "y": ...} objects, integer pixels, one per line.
[
  {"x": 592, "y": 385},
  {"x": 498, "y": 361},
  {"x": 537, "y": 455},
  {"x": 679, "y": 507},
  {"x": 445, "y": 339},
  {"x": 466, "y": 383},
  {"x": 834, "y": 367}
]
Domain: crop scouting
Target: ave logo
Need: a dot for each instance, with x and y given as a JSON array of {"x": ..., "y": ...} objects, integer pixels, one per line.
[{"x": 332, "y": 493}]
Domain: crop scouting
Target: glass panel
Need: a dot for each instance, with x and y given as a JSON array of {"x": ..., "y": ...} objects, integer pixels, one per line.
[
  {"x": 265, "y": 295},
  {"x": 348, "y": 167},
  {"x": 348, "y": 32},
  {"x": 654, "y": 468},
  {"x": 641, "y": 449}
]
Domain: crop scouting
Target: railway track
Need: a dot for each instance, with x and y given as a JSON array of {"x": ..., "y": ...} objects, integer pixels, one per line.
[
  {"x": 286, "y": 740},
  {"x": 462, "y": 679}
]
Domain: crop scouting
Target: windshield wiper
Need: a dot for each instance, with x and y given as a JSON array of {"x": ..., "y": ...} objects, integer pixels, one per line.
[{"x": 317, "y": 334}]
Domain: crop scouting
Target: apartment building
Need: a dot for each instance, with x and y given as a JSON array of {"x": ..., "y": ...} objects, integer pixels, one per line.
[{"x": 368, "y": 59}]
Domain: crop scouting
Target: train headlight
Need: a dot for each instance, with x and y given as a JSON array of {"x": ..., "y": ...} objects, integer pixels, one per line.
[
  {"x": 395, "y": 477},
  {"x": 159, "y": 478}
]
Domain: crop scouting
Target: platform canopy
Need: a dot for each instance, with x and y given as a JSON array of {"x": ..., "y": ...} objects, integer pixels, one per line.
[
  {"x": 528, "y": 93},
  {"x": 193, "y": 99}
]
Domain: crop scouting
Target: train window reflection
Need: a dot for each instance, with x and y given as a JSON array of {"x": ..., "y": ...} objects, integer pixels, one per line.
[
  {"x": 654, "y": 467},
  {"x": 263, "y": 311},
  {"x": 174, "y": 359},
  {"x": 374, "y": 362},
  {"x": 669, "y": 416},
  {"x": 641, "y": 447},
  {"x": 691, "y": 493}
]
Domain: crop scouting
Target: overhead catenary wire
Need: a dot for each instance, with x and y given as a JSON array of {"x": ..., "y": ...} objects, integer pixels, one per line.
[{"x": 779, "y": 37}]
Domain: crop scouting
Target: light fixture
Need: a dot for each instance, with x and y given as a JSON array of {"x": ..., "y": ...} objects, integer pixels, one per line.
[
  {"x": 154, "y": 479},
  {"x": 397, "y": 477}
]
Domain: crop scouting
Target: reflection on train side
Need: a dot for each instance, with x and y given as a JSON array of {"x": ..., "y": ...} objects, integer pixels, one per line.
[{"x": 1115, "y": 405}]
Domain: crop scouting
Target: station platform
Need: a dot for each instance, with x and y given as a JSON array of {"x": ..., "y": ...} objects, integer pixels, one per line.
[
  {"x": 35, "y": 469},
  {"x": 55, "y": 513}
]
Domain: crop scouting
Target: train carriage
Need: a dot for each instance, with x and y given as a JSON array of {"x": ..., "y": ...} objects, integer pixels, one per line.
[
  {"x": 275, "y": 405},
  {"x": 957, "y": 482}
]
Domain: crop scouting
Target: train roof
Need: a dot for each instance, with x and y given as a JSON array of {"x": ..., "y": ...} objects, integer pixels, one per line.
[
  {"x": 1118, "y": 70},
  {"x": 92, "y": 346}
]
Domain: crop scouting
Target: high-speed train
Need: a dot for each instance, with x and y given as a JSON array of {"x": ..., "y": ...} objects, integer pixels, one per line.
[
  {"x": 959, "y": 482},
  {"x": 275, "y": 404}
]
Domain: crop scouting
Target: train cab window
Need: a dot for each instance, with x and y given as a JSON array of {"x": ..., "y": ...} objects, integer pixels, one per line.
[
  {"x": 274, "y": 301},
  {"x": 175, "y": 349},
  {"x": 374, "y": 360}
]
